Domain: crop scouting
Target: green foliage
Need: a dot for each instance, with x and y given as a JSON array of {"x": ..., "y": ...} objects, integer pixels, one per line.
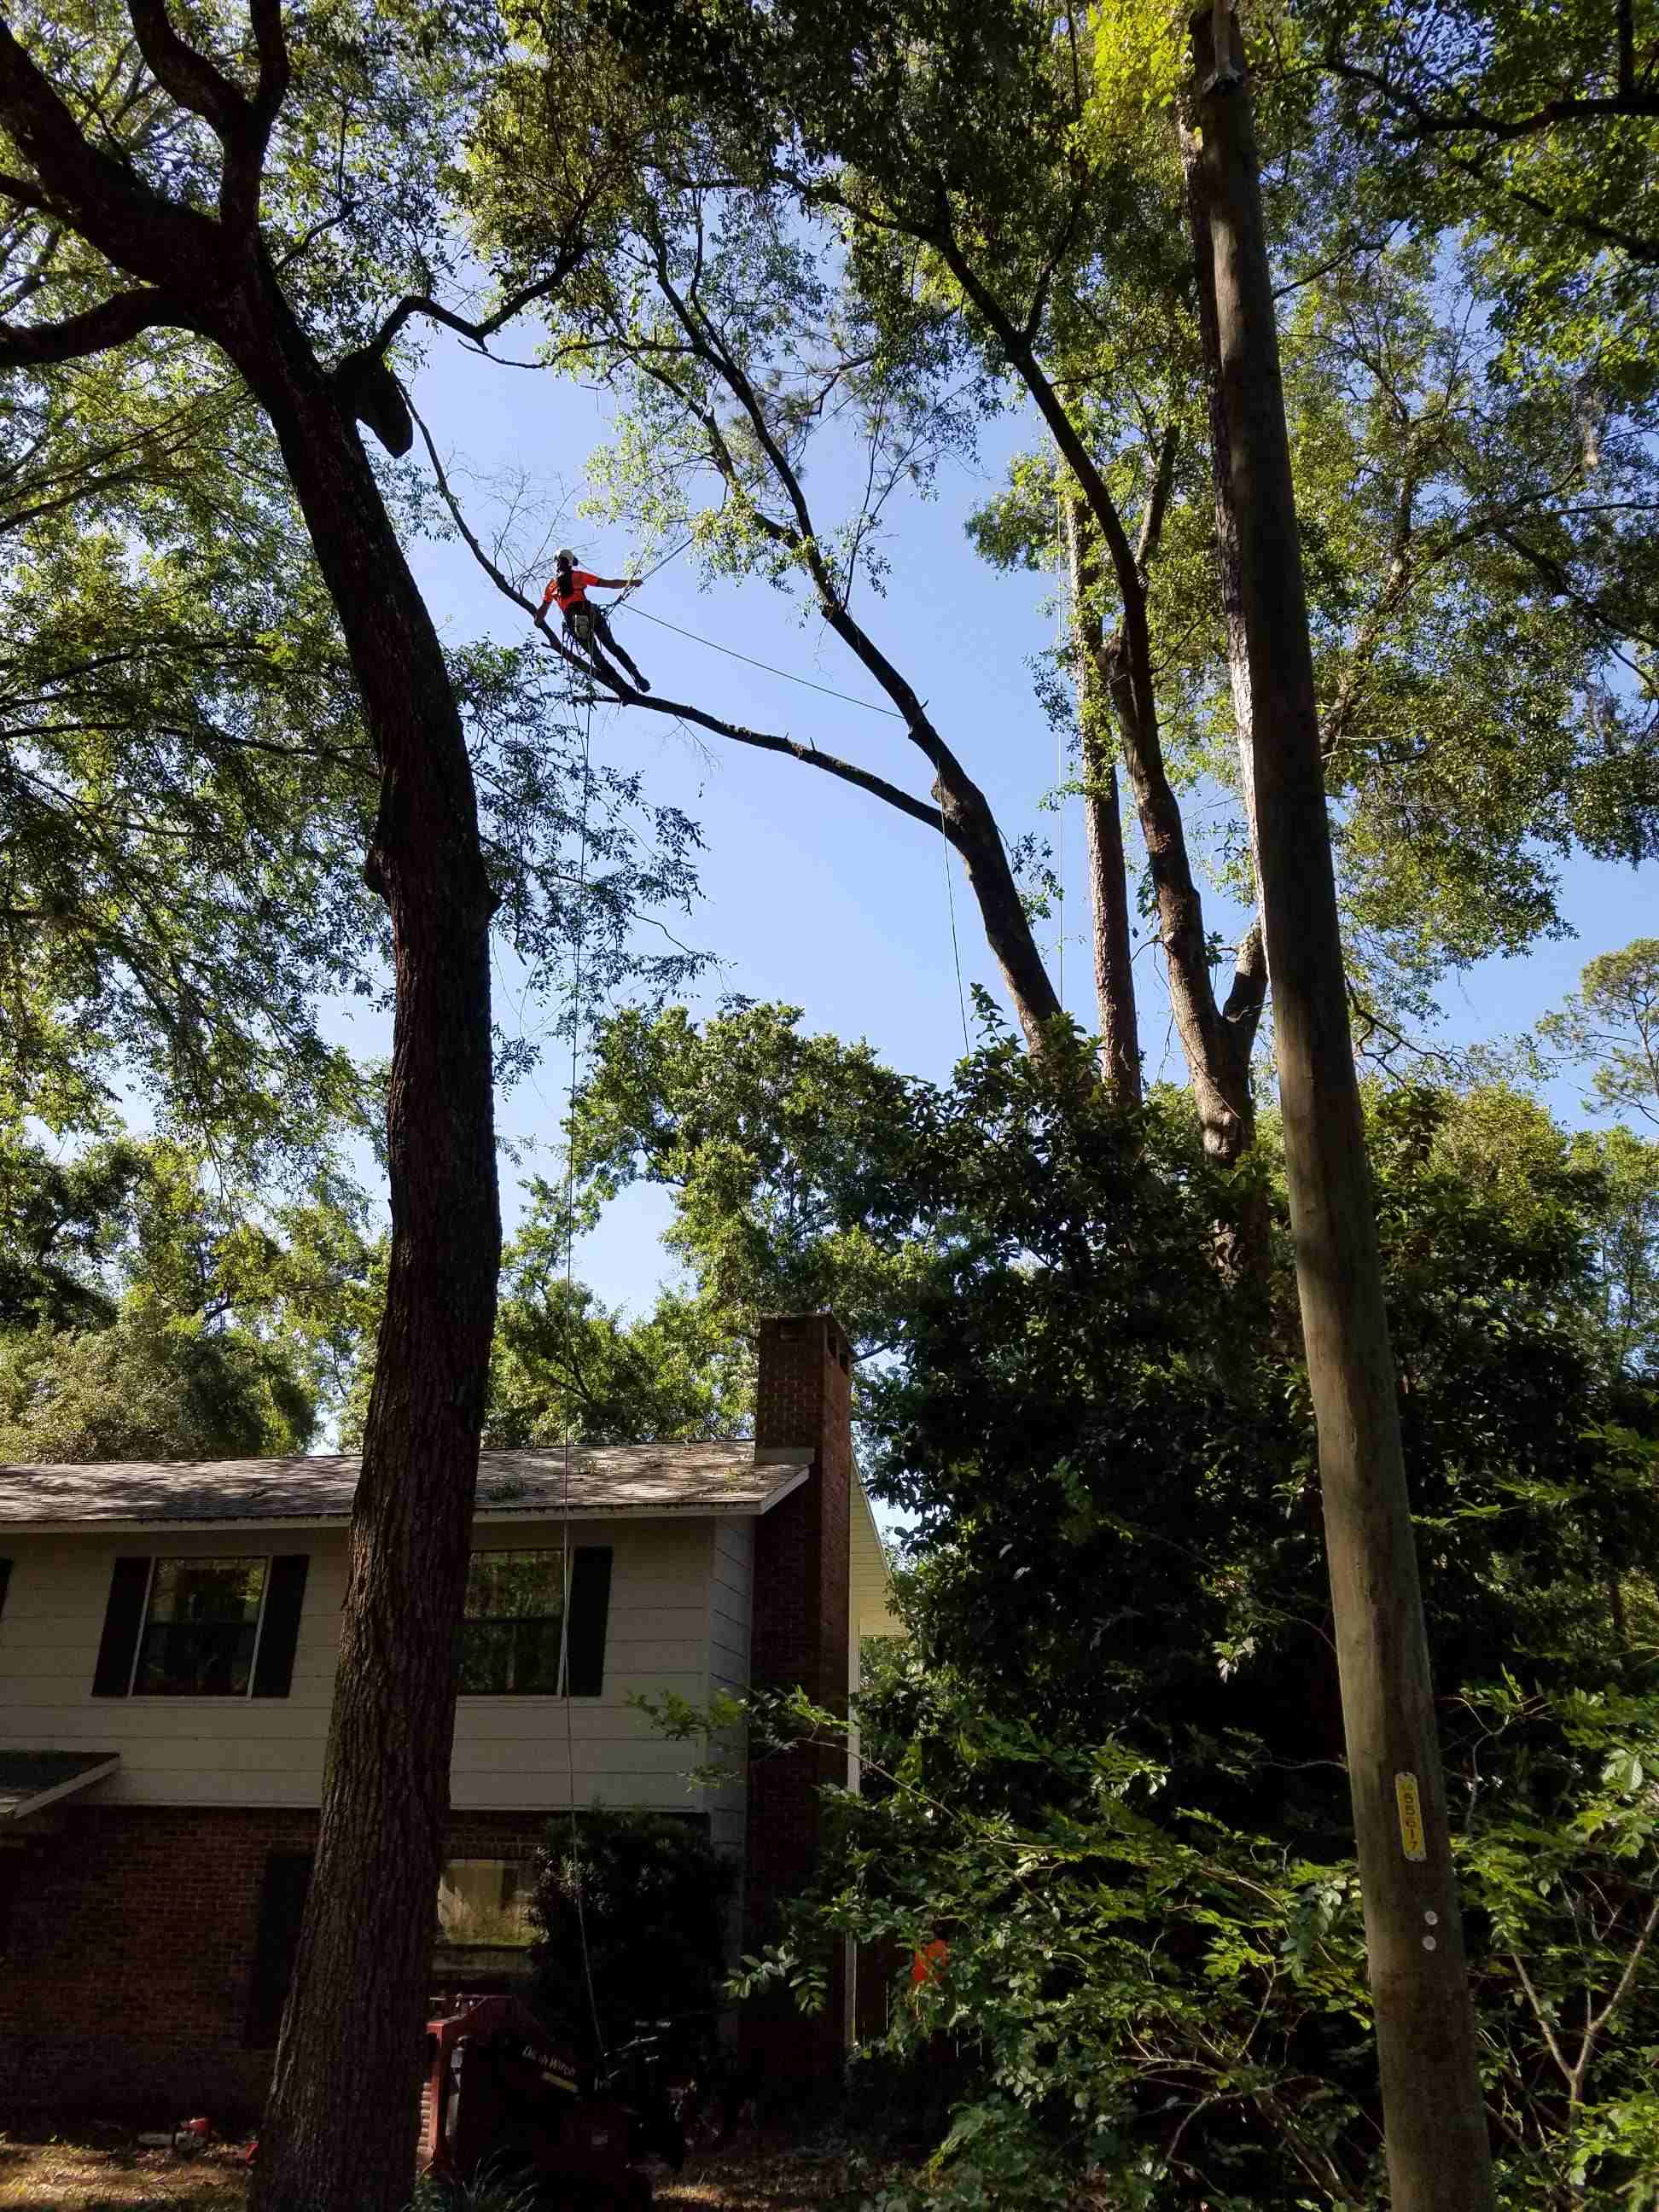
[
  {"x": 148, "y": 1315},
  {"x": 1612, "y": 1021},
  {"x": 185, "y": 784},
  {"x": 1627, "y": 1240},
  {"x": 149, "y": 1386},
  {"x": 1106, "y": 1765},
  {"x": 773, "y": 1144},
  {"x": 563, "y": 1366},
  {"x": 186, "y": 787},
  {"x": 1174, "y": 2012},
  {"x": 1528, "y": 124},
  {"x": 638, "y": 1900}
]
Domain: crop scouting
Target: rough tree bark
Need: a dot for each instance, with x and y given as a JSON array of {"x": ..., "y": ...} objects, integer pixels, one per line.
[
  {"x": 340, "y": 2131},
  {"x": 1435, "y": 2123}
]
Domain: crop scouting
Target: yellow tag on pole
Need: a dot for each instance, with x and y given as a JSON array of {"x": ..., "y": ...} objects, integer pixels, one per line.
[{"x": 1411, "y": 1816}]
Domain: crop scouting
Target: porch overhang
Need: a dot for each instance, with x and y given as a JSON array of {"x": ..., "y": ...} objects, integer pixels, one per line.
[{"x": 31, "y": 1780}]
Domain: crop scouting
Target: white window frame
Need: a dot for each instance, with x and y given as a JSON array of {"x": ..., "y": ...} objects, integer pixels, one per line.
[
  {"x": 205, "y": 1696},
  {"x": 554, "y": 1551}
]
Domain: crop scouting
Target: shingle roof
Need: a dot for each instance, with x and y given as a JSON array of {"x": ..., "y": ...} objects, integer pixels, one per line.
[{"x": 605, "y": 1479}]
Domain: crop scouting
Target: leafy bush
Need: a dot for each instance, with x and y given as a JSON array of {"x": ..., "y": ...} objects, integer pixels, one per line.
[
  {"x": 1148, "y": 2003},
  {"x": 638, "y": 1901}
]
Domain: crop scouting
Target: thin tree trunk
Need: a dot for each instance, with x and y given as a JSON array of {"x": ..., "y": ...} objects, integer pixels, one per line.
[
  {"x": 339, "y": 2129},
  {"x": 1616, "y": 1613},
  {"x": 1108, "y": 895},
  {"x": 1220, "y": 1079},
  {"x": 1435, "y": 2124},
  {"x": 1108, "y": 889},
  {"x": 1245, "y": 1001}
]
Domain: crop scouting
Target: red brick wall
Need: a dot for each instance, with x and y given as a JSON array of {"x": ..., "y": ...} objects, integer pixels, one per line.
[
  {"x": 129, "y": 1948},
  {"x": 799, "y": 1634}
]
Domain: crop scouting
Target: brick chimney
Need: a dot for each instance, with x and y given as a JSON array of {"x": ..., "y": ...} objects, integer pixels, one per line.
[{"x": 798, "y": 1635}]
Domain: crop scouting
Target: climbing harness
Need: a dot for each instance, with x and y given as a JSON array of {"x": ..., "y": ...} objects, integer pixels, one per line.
[{"x": 580, "y": 622}]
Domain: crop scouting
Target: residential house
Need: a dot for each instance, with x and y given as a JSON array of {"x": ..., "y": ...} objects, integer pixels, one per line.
[{"x": 169, "y": 1640}]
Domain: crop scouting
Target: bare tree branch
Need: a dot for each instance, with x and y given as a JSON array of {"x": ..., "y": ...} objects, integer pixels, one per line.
[
  {"x": 762, "y": 740},
  {"x": 421, "y": 303}
]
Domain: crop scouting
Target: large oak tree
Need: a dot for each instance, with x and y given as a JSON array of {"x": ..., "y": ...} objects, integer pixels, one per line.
[{"x": 256, "y": 187}]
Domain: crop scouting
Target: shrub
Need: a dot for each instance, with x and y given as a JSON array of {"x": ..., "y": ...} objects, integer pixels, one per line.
[{"x": 644, "y": 1895}]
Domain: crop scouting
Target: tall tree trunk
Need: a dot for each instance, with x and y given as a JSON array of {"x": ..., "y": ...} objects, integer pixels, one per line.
[
  {"x": 1435, "y": 2123},
  {"x": 1219, "y": 1075},
  {"x": 1109, "y": 896},
  {"x": 339, "y": 2130},
  {"x": 1109, "y": 888},
  {"x": 1242, "y": 1012}
]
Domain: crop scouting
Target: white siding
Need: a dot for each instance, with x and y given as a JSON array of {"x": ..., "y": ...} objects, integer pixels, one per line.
[
  {"x": 175, "y": 1751},
  {"x": 515, "y": 1752},
  {"x": 869, "y": 1602},
  {"x": 730, "y": 1589},
  {"x": 666, "y": 1629}
]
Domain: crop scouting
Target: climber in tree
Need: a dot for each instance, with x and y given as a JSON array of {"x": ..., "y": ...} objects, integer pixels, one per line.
[{"x": 583, "y": 620}]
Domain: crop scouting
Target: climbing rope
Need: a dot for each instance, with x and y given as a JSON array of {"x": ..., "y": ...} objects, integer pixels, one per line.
[
  {"x": 956, "y": 949},
  {"x": 732, "y": 653},
  {"x": 828, "y": 692},
  {"x": 576, "y": 1862}
]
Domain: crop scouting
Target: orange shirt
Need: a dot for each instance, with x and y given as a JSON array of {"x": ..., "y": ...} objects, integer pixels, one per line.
[{"x": 580, "y": 580}]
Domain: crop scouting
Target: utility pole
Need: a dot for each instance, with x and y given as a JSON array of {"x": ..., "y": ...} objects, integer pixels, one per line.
[{"x": 1434, "y": 2117}]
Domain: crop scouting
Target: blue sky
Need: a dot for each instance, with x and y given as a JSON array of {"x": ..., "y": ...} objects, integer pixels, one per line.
[{"x": 812, "y": 892}]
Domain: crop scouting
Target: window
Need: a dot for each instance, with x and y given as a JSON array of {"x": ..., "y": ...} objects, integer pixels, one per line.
[
  {"x": 512, "y": 1633},
  {"x": 484, "y": 1904},
  {"x": 201, "y": 1626},
  {"x": 276, "y": 1941}
]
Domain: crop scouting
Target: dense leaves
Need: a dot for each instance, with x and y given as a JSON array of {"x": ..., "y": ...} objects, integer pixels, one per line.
[
  {"x": 632, "y": 1907},
  {"x": 149, "y": 1314},
  {"x": 1107, "y": 1765}
]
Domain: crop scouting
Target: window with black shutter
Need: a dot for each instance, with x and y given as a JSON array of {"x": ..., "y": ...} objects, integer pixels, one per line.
[
  {"x": 519, "y": 1635},
  {"x": 201, "y": 1627}
]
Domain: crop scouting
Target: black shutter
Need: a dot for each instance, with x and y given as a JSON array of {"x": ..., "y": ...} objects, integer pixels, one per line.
[
  {"x": 124, "y": 1621},
  {"x": 590, "y": 1603},
  {"x": 282, "y": 1902},
  {"x": 5, "y": 1578},
  {"x": 279, "y": 1631}
]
